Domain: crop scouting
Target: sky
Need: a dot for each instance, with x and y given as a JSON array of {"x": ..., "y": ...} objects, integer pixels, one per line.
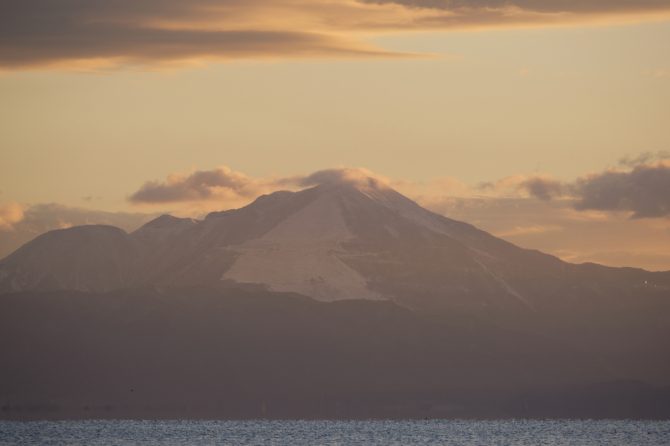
[{"x": 544, "y": 122}]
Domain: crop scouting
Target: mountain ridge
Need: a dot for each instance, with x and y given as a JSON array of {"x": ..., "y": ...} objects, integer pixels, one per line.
[
  {"x": 331, "y": 302},
  {"x": 339, "y": 239}
]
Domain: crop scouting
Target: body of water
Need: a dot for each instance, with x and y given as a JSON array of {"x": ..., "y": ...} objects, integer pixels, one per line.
[{"x": 378, "y": 432}]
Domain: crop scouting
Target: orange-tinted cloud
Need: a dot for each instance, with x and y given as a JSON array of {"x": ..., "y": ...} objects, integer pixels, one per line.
[
  {"x": 202, "y": 185},
  {"x": 643, "y": 191},
  {"x": 223, "y": 188},
  {"x": 10, "y": 214},
  {"x": 77, "y": 33},
  {"x": 142, "y": 32}
]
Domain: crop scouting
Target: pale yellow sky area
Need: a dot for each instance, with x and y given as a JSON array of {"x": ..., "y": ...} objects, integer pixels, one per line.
[{"x": 484, "y": 96}]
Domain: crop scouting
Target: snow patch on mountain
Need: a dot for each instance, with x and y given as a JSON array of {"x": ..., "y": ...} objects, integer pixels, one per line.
[{"x": 300, "y": 254}]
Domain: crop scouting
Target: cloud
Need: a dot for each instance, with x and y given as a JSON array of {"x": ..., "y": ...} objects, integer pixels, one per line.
[
  {"x": 555, "y": 227},
  {"x": 534, "y": 211},
  {"x": 507, "y": 208},
  {"x": 10, "y": 214},
  {"x": 149, "y": 32},
  {"x": 554, "y": 6},
  {"x": 644, "y": 191},
  {"x": 218, "y": 184},
  {"x": 355, "y": 176},
  {"x": 224, "y": 187},
  {"x": 485, "y": 14},
  {"x": 644, "y": 158},
  {"x": 543, "y": 188},
  {"x": 113, "y": 33}
]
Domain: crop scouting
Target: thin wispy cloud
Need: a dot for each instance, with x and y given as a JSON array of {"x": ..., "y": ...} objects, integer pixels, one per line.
[
  {"x": 117, "y": 33},
  {"x": 644, "y": 158}
]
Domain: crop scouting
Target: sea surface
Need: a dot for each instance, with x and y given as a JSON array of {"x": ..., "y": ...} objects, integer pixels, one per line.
[{"x": 296, "y": 433}]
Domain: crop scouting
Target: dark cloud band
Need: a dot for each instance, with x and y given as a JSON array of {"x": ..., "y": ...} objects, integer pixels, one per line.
[
  {"x": 644, "y": 191},
  {"x": 142, "y": 46},
  {"x": 44, "y": 32},
  {"x": 545, "y": 6}
]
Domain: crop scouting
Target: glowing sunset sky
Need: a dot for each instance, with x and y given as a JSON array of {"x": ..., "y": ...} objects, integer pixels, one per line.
[{"x": 544, "y": 122}]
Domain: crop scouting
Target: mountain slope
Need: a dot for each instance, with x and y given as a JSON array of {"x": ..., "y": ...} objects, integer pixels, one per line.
[
  {"x": 84, "y": 258},
  {"x": 342, "y": 239},
  {"x": 186, "y": 318}
]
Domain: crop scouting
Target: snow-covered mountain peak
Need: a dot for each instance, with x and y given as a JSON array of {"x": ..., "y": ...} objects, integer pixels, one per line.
[{"x": 346, "y": 235}]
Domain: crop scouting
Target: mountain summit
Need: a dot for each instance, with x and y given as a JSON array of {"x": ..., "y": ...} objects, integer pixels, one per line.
[
  {"x": 411, "y": 314},
  {"x": 350, "y": 236}
]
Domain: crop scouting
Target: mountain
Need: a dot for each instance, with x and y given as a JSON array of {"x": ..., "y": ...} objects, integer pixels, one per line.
[
  {"x": 345, "y": 299},
  {"x": 342, "y": 239},
  {"x": 86, "y": 258}
]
